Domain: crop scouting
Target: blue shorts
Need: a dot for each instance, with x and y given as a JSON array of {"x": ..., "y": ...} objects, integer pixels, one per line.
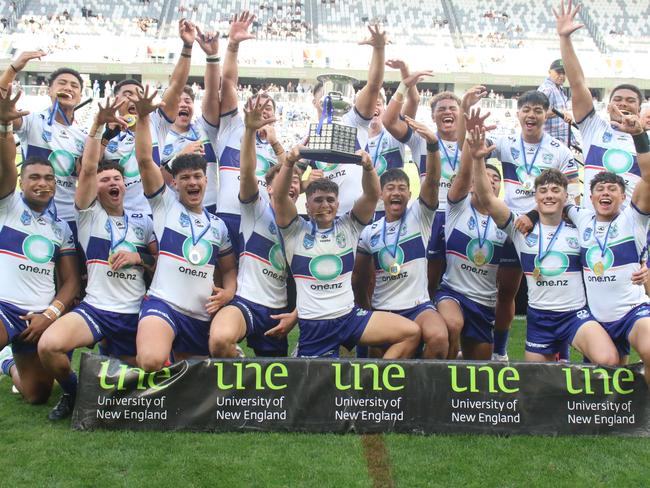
[
  {"x": 232, "y": 222},
  {"x": 15, "y": 326},
  {"x": 509, "y": 257},
  {"x": 119, "y": 329},
  {"x": 191, "y": 335},
  {"x": 322, "y": 338},
  {"x": 412, "y": 313},
  {"x": 478, "y": 319},
  {"x": 258, "y": 321},
  {"x": 546, "y": 331},
  {"x": 436, "y": 247},
  {"x": 619, "y": 330}
]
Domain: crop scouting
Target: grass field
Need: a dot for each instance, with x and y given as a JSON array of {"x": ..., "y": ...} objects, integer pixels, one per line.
[{"x": 36, "y": 452}]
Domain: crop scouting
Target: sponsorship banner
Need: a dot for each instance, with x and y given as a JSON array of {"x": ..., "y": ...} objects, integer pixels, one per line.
[{"x": 363, "y": 396}]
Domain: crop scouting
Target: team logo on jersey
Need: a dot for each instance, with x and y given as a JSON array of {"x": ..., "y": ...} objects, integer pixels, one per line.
[
  {"x": 112, "y": 146},
  {"x": 199, "y": 254},
  {"x": 613, "y": 231},
  {"x": 308, "y": 241},
  {"x": 554, "y": 264},
  {"x": 374, "y": 240},
  {"x": 263, "y": 165},
  {"x": 58, "y": 233},
  {"x": 362, "y": 313},
  {"x": 618, "y": 161},
  {"x": 80, "y": 146},
  {"x": 169, "y": 148},
  {"x": 479, "y": 255},
  {"x": 184, "y": 220},
  {"x": 26, "y": 218},
  {"x": 386, "y": 259},
  {"x": 531, "y": 239},
  {"x": 326, "y": 267},
  {"x": 643, "y": 312},
  {"x": 514, "y": 152},
  {"x": 548, "y": 158},
  {"x": 272, "y": 228},
  {"x": 501, "y": 235},
  {"x": 276, "y": 257},
  {"x": 471, "y": 223},
  {"x": 595, "y": 257},
  {"x": 341, "y": 241},
  {"x": 586, "y": 235},
  {"x": 38, "y": 249},
  {"x": 572, "y": 242},
  {"x": 63, "y": 162},
  {"x": 582, "y": 314},
  {"x": 607, "y": 136},
  {"x": 139, "y": 232},
  {"x": 215, "y": 233}
]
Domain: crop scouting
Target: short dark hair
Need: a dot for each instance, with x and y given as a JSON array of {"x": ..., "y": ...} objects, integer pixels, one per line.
[
  {"x": 273, "y": 171},
  {"x": 533, "y": 97},
  {"x": 627, "y": 86},
  {"x": 607, "y": 177},
  {"x": 394, "y": 174},
  {"x": 109, "y": 165},
  {"x": 188, "y": 161},
  {"x": 493, "y": 168},
  {"x": 552, "y": 176},
  {"x": 322, "y": 184},
  {"x": 122, "y": 83},
  {"x": 445, "y": 95},
  {"x": 63, "y": 71},
  {"x": 187, "y": 89},
  {"x": 34, "y": 160}
]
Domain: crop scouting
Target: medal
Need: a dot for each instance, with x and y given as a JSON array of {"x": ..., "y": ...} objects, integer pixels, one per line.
[
  {"x": 479, "y": 258},
  {"x": 394, "y": 269},
  {"x": 115, "y": 243},
  {"x": 537, "y": 273},
  {"x": 111, "y": 258},
  {"x": 599, "y": 268},
  {"x": 453, "y": 163},
  {"x": 130, "y": 120},
  {"x": 528, "y": 182},
  {"x": 194, "y": 255}
]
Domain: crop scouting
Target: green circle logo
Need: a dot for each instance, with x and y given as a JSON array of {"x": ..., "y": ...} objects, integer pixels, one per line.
[
  {"x": 130, "y": 165},
  {"x": 263, "y": 165},
  {"x": 326, "y": 268},
  {"x": 63, "y": 162},
  {"x": 38, "y": 249},
  {"x": 480, "y": 255},
  {"x": 595, "y": 255},
  {"x": 386, "y": 259},
  {"x": 276, "y": 257},
  {"x": 124, "y": 246},
  {"x": 381, "y": 165},
  {"x": 446, "y": 170},
  {"x": 554, "y": 264},
  {"x": 618, "y": 161},
  {"x": 204, "y": 249},
  {"x": 326, "y": 166}
]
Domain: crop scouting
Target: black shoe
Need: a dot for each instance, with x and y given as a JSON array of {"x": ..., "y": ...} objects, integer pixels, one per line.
[{"x": 63, "y": 409}]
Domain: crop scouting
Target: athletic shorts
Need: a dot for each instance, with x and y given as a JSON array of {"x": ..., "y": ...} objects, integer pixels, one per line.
[
  {"x": 15, "y": 326},
  {"x": 191, "y": 335},
  {"x": 412, "y": 313},
  {"x": 232, "y": 222},
  {"x": 322, "y": 338},
  {"x": 436, "y": 247},
  {"x": 546, "y": 331},
  {"x": 619, "y": 330},
  {"x": 258, "y": 321},
  {"x": 119, "y": 329},
  {"x": 509, "y": 257},
  {"x": 478, "y": 319}
]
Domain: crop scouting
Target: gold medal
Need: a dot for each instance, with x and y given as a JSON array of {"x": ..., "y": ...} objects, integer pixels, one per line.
[
  {"x": 479, "y": 258},
  {"x": 529, "y": 185},
  {"x": 131, "y": 120},
  {"x": 394, "y": 269},
  {"x": 599, "y": 268},
  {"x": 537, "y": 273},
  {"x": 111, "y": 258}
]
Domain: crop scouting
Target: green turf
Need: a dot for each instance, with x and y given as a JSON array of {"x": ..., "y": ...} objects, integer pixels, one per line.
[{"x": 35, "y": 452}]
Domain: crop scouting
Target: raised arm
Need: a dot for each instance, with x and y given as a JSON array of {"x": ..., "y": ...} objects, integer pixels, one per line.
[
  {"x": 239, "y": 31},
  {"x": 16, "y": 66},
  {"x": 254, "y": 120},
  {"x": 391, "y": 119},
  {"x": 178, "y": 79},
  {"x": 210, "y": 108},
  {"x": 367, "y": 98},
  {"x": 475, "y": 145},
  {"x": 8, "y": 113},
  {"x": 581, "y": 100},
  {"x": 86, "y": 191},
  {"x": 431, "y": 182},
  {"x": 285, "y": 209},
  {"x": 152, "y": 179},
  {"x": 364, "y": 207},
  {"x": 470, "y": 98}
]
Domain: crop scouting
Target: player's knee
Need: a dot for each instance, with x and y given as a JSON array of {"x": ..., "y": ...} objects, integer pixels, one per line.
[
  {"x": 435, "y": 337},
  {"x": 36, "y": 394},
  {"x": 606, "y": 357},
  {"x": 150, "y": 361},
  {"x": 49, "y": 344},
  {"x": 412, "y": 332}
]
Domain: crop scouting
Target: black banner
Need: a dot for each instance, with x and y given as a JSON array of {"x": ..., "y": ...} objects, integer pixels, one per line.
[{"x": 363, "y": 396}]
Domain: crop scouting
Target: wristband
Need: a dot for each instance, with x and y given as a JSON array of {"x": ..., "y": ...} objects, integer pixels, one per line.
[
  {"x": 187, "y": 46},
  {"x": 6, "y": 128},
  {"x": 400, "y": 92},
  {"x": 641, "y": 143},
  {"x": 212, "y": 59},
  {"x": 185, "y": 55},
  {"x": 54, "y": 310},
  {"x": 433, "y": 146},
  {"x": 12, "y": 67},
  {"x": 47, "y": 316},
  {"x": 533, "y": 216}
]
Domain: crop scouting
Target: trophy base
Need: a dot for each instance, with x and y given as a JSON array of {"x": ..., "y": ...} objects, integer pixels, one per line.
[{"x": 330, "y": 156}]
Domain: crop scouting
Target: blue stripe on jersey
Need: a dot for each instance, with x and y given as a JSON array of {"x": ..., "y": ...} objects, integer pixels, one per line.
[
  {"x": 595, "y": 158},
  {"x": 210, "y": 156},
  {"x": 413, "y": 249},
  {"x": 172, "y": 243},
  {"x": 528, "y": 262},
  {"x": 393, "y": 158},
  {"x": 259, "y": 245},
  {"x": 300, "y": 264},
  {"x": 509, "y": 171},
  {"x": 12, "y": 240},
  {"x": 458, "y": 242},
  {"x": 229, "y": 158},
  {"x": 99, "y": 248},
  {"x": 624, "y": 253}
]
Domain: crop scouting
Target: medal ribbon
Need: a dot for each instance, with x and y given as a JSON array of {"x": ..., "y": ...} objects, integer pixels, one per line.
[
  {"x": 56, "y": 108},
  {"x": 378, "y": 150},
  {"x": 602, "y": 245},
  {"x": 529, "y": 169},
  {"x": 328, "y": 112},
  {"x": 194, "y": 135},
  {"x": 195, "y": 240},
  {"x": 541, "y": 255},
  {"x": 444, "y": 150},
  {"x": 481, "y": 240},
  {"x": 114, "y": 243},
  {"x": 393, "y": 251}
]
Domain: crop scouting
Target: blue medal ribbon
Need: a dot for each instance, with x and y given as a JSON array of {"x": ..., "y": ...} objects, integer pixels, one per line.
[
  {"x": 56, "y": 109},
  {"x": 541, "y": 255},
  {"x": 444, "y": 149},
  {"x": 328, "y": 113},
  {"x": 194, "y": 135},
  {"x": 528, "y": 168},
  {"x": 196, "y": 240},
  {"x": 602, "y": 245},
  {"x": 115, "y": 243},
  {"x": 393, "y": 251},
  {"x": 481, "y": 240},
  {"x": 378, "y": 149}
]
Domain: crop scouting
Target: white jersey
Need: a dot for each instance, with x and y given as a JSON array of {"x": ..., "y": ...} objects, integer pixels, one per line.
[
  {"x": 200, "y": 130},
  {"x": 607, "y": 149},
  {"x": 62, "y": 145},
  {"x": 474, "y": 245},
  {"x": 262, "y": 276},
  {"x": 184, "y": 271},
  {"x": 449, "y": 164},
  {"x": 30, "y": 245},
  {"x": 231, "y": 130},
  {"x": 523, "y": 162},
  {"x": 403, "y": 242},
  {"x": 608, "y": 269},
  {"x": 322, "y": 263},
  {"x": 555, "y": 281},
  {"x": 348, "y": 176},
  {"x": 122, "y": 149},
  {"x": 118, "y": 291}
]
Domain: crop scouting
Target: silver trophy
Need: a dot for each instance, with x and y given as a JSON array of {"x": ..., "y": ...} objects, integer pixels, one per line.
[{"x": 329, "y": 140}]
